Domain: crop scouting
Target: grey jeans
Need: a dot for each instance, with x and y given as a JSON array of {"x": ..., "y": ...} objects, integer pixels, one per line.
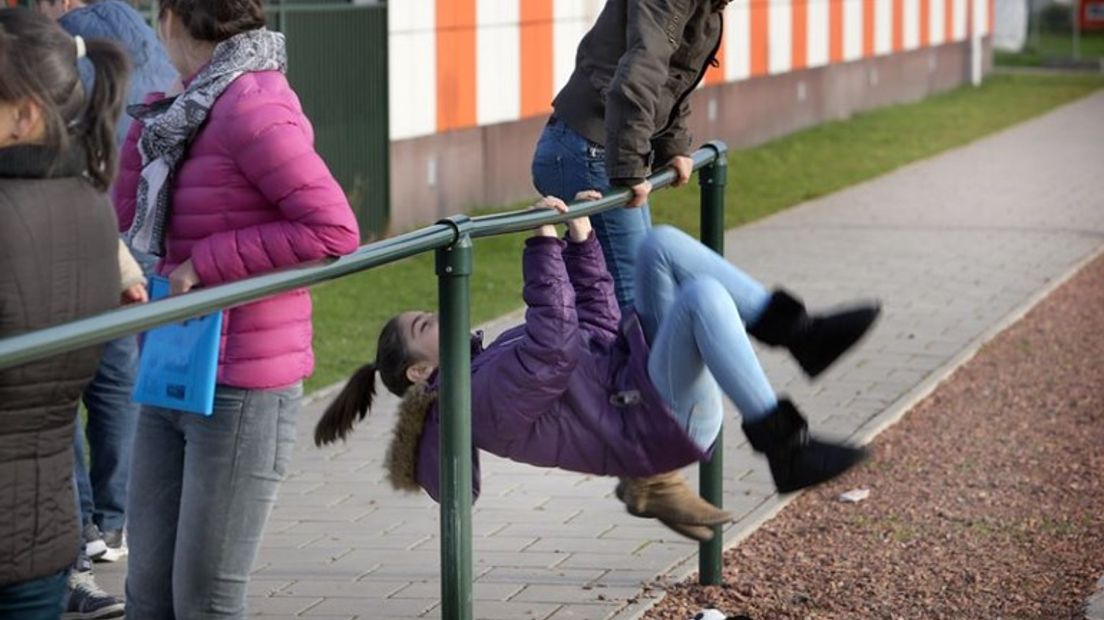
[{"x": 201, "y": 490}]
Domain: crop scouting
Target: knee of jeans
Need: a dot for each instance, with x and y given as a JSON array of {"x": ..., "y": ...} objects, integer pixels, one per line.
[{"x": 709, "y": 299}]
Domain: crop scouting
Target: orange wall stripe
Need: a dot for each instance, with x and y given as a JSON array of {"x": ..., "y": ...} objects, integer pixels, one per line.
[
  {"x": 456, "y": 86},
  {"x": 716, "y": 75},
  {"x": 835, "y": 30},
  {"x": 992, "y": 10},
  {"x": 536, "y": 57},
  {"x": 948, "y": 21},
  {"x": 760, "y": 36},
  {"x": 925, "y": 23},
  {"x": 870, "y": 26},
  {"x": 898, "y": 25},
  {"x": 799, "y": 34}
]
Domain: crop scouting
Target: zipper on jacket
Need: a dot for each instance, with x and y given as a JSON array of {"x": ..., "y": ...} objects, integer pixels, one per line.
[{"x": 709, "y": 61}]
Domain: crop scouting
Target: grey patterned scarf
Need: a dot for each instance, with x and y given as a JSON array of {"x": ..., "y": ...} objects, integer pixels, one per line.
[{"x": 171, "y": 124}]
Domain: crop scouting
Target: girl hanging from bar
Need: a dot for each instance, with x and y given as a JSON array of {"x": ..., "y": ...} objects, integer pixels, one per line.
[{"x": 580, "y": 387}]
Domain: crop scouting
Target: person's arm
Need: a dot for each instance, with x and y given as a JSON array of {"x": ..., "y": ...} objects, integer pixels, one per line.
[
  {"x": 595, "y": 301},
  {"x": 674, "y": 146},
  {"x": 522, "y": 383},
  {"x": 654, "y": 31},
  {"x": 132, "y": 282},
  {"x": 273, "y": 147}
]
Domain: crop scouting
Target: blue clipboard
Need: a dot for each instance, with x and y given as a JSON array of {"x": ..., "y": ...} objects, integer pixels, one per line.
[{"x": 179, "y": 362}]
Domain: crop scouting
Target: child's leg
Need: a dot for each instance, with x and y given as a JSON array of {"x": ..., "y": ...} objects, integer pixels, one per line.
[
  {"x": 702, "y": 343},
  {"x": 669, "y": 258}
]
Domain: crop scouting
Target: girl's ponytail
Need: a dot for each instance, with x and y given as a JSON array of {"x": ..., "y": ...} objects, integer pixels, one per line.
[
  {"x": 95, "y": 130},
  {"x": 351, "y": 405}
]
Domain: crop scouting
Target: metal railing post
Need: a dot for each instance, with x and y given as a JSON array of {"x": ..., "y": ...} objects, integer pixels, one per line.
[
  {"x": 454, "y": 268},
  {"x": 712, "y": 179}
]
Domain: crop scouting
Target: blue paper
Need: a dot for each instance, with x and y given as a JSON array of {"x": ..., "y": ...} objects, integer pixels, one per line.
[{"x": 179, "y": 362}]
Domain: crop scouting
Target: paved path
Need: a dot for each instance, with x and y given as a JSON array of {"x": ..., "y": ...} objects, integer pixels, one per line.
[{"x": 954, "y": 246}]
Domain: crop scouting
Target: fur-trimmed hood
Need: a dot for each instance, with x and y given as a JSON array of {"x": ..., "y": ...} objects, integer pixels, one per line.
[{"x": 402, "y": 453}]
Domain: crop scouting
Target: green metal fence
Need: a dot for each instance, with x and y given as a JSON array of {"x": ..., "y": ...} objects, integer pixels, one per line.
[{"x": 452, "y": 241}]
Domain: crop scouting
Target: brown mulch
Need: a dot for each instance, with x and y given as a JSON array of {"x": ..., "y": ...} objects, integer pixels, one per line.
[{"x": 986, "y": 500}]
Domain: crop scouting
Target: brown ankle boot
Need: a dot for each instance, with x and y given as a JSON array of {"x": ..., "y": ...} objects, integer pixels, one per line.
[
  {"x": 700, "y": 533},
  {"x": 668, "y": 498}
]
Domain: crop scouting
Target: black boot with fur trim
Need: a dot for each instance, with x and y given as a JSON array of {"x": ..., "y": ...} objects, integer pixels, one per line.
[
  {"x": 816, "y": 341},
  {"x": 796, "y": 459}
]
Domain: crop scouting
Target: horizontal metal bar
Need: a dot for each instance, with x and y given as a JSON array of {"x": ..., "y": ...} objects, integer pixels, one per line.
[
  {"x": 133, "y": 319},
  {"x": 44, "y": 343},
  {"x": 518, "y": 221}
]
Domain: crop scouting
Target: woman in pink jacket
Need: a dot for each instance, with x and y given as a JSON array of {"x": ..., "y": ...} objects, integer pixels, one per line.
[{"x": 222, "y": 181}]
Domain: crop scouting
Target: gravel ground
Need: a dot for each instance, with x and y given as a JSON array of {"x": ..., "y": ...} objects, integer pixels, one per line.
[{"x": 986, "y": 500}]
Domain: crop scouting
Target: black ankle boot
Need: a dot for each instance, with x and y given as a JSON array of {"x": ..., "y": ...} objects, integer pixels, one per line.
[
  {"x": 815, "y": 341},
  {"x": 796, "y": 459}
]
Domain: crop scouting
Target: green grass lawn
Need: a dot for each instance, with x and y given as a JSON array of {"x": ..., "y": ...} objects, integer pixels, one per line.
[
  {"x": 1052, "y": 47},
  {"x": 762, "y": 180}
]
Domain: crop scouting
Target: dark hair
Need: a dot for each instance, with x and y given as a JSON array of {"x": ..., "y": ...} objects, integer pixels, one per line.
[
  {"x": 217, "y": 20},
  {"x": 393, "y": 358},
  {"x": 38, "y": 60}
]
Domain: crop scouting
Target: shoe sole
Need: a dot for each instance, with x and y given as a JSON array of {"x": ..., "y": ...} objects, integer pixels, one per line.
[
  {"x": 113, "y": 611},
  {"x": 112, "y": 555},
  {"x": 95, "y": 549}
]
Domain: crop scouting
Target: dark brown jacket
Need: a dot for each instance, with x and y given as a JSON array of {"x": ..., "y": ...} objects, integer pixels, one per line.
[
  {"x": 58, "y": 262},
  {"x": 633, "y": 73}
]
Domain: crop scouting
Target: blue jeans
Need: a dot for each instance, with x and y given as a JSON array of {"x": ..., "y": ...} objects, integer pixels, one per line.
[
  {"x": 201, "y": 491},
  {"x": 694, "y": 306},
  {"x": 110, "y": 432},
  {"x": 38, "y": 599},
  {"x": 566, "y": 163}
]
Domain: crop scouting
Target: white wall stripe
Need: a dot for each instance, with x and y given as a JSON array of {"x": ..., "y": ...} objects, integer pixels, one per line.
[
  {"x": 498, "y": 61},
  {"x": 852, "y": 29},
  {"x": 738, "y": 40},
  {"x": 938, "y": 15},
  {"x": 883, "y": 27},
  {"x": 982, "y": 19},
  {"x": 959, "y": 20},
  {"x": 412, "y": 62},
  {"x": 572, "y": 20},
  {"x": 912, "y": 24},
  {"x": 817, "y": 30},
  {"x": 780, "y": 33}
]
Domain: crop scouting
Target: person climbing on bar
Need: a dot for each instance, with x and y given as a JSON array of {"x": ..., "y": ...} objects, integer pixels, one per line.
[{"x": 581, "y": 388}]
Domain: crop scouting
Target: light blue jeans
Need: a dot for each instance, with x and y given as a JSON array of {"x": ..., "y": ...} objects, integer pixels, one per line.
[
  {"x": 564, "y": 164},
  {"x": 694, "y": 306},
  {"x": 201, "y": 491}
]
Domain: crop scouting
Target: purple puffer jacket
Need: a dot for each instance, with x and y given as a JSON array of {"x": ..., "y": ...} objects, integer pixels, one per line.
[
  {"x": 252, "y": 196},
  {"x": 570, "y": 387}
]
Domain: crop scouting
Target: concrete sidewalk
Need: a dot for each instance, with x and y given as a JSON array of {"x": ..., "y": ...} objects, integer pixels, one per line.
[{"x": 955, "y": 247}]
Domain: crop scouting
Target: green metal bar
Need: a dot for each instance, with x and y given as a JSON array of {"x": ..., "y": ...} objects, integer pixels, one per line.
[
  {"x": 133, "y": 319},
  {"x": 712, "y": 179},
  {"x": 454, "y": 268}
]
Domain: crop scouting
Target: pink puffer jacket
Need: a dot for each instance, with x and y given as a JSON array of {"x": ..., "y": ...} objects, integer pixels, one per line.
[{"x": 252, "y": 196}]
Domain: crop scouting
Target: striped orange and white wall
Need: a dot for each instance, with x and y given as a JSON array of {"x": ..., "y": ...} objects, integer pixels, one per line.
[{"x": 464, "y": 63}]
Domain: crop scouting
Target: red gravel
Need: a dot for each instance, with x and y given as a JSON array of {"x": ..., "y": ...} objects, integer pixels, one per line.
[{"x": 987, "y": 499}]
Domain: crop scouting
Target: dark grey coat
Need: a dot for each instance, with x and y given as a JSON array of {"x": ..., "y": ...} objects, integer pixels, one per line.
[
  {"x": 633, "y": 73},
  {"x": 58, "y": 262}
]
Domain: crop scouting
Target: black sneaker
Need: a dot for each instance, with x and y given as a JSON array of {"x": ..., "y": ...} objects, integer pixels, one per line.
[
  {"x": 116, "y": 546},
  {"x": 94, "y": 545},
  {"x": 86, "y": 601}
]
